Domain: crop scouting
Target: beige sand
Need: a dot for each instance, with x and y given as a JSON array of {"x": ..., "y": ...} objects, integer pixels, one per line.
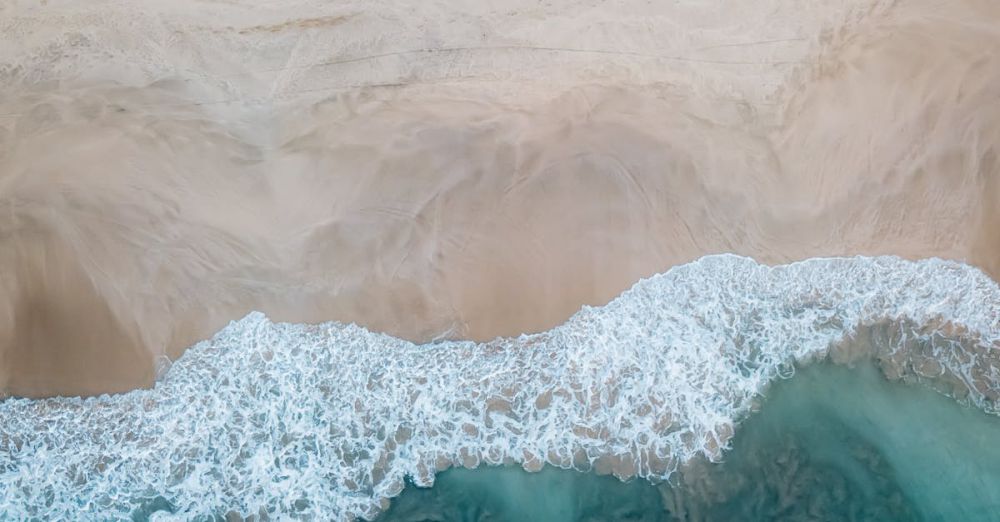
[{"x": 434, "y": 169}]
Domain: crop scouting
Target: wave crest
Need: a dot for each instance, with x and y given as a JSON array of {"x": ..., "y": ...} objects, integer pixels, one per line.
[{"x": 328, "y": 420}]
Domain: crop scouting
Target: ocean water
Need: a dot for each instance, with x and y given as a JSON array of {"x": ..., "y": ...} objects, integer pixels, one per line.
[
  {"x": 832, "y": 443},
  {"x": 678, "y": 383},
  {"x": 510, "y": 493}
]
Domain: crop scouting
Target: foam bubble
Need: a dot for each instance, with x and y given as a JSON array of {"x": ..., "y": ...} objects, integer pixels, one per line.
[{"x": 328, "y": 420}]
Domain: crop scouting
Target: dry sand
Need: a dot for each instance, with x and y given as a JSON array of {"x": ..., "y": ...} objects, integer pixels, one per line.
[{"x": 459, "y": 169}]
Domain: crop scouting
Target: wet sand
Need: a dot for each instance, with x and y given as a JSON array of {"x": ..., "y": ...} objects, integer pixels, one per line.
[{"x": 455, "y": 170}]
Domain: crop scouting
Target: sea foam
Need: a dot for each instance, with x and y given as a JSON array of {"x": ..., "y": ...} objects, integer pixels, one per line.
[{"x": 328, "y": 420}]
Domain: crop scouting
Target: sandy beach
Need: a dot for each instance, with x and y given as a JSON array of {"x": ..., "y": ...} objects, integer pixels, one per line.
[{"x": 457, "y": 170}]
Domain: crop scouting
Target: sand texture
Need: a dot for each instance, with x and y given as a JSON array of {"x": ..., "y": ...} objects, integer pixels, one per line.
[{"x": 460, "y": 169}]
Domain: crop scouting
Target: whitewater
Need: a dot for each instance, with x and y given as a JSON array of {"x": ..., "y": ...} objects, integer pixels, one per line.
[{"x": 329, "y": 420}]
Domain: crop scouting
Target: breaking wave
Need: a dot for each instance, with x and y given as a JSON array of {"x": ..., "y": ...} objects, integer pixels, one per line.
[{"x": 331, "y": 420}]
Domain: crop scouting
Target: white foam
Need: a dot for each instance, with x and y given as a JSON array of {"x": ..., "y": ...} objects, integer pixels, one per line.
[{"x": 327, "y": 420}]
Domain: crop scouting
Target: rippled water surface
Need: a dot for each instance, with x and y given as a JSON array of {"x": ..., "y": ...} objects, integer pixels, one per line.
[
  {"x": 833, "y": 443},
  {"x": 331, "y": 420}
]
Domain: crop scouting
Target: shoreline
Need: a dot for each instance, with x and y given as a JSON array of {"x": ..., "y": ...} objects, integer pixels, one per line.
[
  {"x": 430, "y": 179},
  {"x": 666, "y": 370}
]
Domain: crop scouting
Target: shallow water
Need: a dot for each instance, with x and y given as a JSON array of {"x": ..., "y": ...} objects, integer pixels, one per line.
[
  {"x": 328, "y": 421},
  {"x": 832, "y": 443},
  {"x": 509, "y": 493}
]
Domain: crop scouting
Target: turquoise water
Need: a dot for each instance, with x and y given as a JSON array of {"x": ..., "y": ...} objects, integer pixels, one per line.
[
  {"x": 508, "y": 493},
  {"x": 832, "y": 443},
  {"x": 288, "y": 421}
]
